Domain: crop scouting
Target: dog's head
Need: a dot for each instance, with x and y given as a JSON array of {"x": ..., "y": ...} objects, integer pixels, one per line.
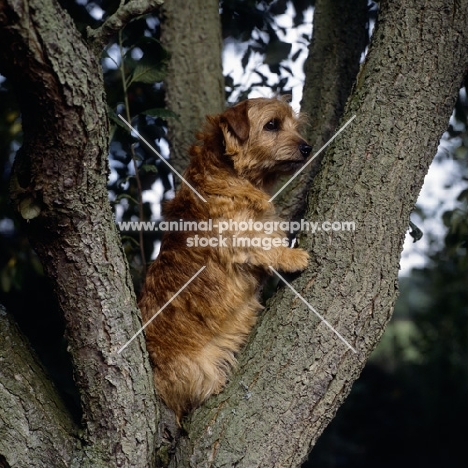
[{"x": 262, "y": 140}]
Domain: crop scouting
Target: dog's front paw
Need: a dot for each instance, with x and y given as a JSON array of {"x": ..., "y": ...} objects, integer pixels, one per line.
[
  {"x": 294, "y": 260},
  {"x": 300, "y": 259}
]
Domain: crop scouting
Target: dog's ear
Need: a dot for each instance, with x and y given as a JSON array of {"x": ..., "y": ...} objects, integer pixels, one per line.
[{"x": 238, "y": 121}]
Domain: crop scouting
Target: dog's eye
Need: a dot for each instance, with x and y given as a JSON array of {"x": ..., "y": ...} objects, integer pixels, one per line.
[{"x": 272, "y": 125}]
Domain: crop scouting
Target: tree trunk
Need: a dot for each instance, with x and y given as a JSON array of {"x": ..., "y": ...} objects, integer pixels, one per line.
[
  {"x": 339, "y": 38},
  {"x": 295, "y": 372},
  {"x": 59, "y": 187},
  {"x": 191, "y": 32}
]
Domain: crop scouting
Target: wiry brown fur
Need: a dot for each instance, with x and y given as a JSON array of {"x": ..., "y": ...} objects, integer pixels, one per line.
[{"x": 193, "y": 341}]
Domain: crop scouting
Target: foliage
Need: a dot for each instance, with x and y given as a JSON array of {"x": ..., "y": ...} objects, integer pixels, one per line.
[{"x": 253, "y": 27}]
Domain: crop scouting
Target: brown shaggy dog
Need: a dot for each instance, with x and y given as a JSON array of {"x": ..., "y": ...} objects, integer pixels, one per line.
[{"x": 193, "y": 341}]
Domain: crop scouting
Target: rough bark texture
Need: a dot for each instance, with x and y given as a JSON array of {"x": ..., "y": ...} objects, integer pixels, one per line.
[
  {"x": 59, "y": 185},
  {"x": 191, "y": 32},
  {"x": 32, "y": 414},
  {"x": 295, "y": 372},
  {"x": 339, "y": 39}
]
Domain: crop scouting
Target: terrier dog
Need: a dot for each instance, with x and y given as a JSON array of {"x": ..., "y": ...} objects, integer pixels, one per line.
[{"x": 193, "y": 341}]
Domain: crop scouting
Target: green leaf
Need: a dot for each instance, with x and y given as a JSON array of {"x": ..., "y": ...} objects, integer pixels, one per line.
[
  {"x": 5, "y": 281},
  {"x": 127, "y": 197},
  {"x": 463, "y": 196},
  {"x": 447, "y": 217},
  {"x": 276, "y": 52},
  {"x": 162, "y": 113},
  {"x": 148, "y": 72},
  {"x": 145, "y": 168},
  {"x": 116, "y": 119}
]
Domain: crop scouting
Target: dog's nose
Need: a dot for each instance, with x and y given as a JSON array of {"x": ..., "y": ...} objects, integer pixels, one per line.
[{"x": 305, "y": 149}]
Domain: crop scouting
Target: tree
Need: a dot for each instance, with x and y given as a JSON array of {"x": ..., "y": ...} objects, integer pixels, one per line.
[{"x": 294, "y": 373}]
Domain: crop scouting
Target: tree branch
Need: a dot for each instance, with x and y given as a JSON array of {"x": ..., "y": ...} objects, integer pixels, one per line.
[
  {"x": 99, "y": 37},
  {"x": 34, "y": 425}
]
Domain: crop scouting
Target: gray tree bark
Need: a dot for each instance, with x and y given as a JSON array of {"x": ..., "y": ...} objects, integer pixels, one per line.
[
  {"x": 59, "y": 187},
  {"x": 191, "y": 31},
  {"x": 32, "y": 414}
]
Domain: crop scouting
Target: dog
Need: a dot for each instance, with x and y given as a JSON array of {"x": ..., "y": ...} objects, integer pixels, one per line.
[{"x": 193, "y": 340}]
